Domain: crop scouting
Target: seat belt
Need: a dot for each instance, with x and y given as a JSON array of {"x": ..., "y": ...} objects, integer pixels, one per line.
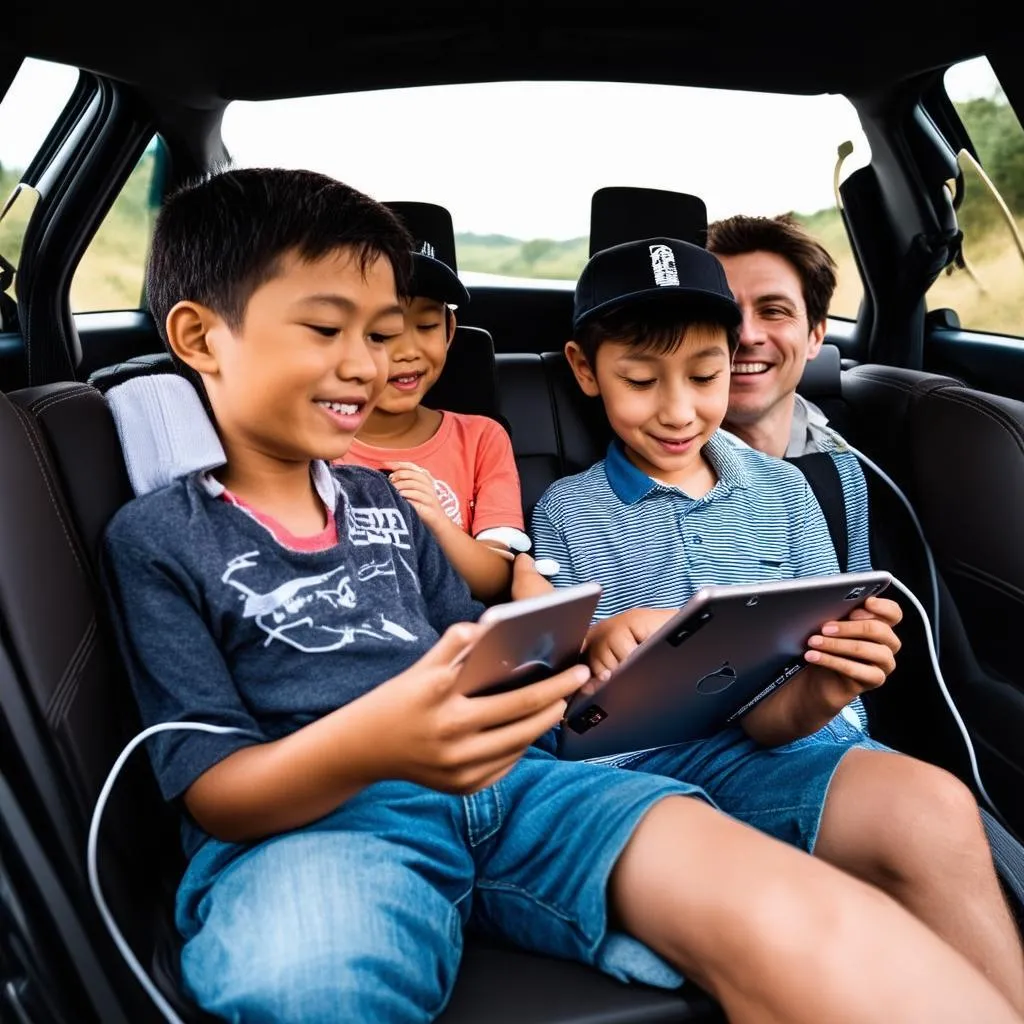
[{"x": 823, "y": 477}]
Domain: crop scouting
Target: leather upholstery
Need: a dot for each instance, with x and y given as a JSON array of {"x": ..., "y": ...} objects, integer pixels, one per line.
[{"x": 967, "y": 468}]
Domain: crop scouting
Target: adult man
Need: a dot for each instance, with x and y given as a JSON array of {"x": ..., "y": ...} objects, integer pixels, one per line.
[{"x": 783, "y": 281}]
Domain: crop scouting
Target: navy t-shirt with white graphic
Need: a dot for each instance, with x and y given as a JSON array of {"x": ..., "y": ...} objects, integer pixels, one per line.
[{"x": 220, "y": 623}]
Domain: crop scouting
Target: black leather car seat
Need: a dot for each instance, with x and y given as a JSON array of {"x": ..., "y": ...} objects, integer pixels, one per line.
[{"x": 966, "y": 468}]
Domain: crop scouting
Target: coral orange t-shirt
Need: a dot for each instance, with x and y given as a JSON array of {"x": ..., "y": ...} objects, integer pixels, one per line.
[{"x": 474, "y": 470}]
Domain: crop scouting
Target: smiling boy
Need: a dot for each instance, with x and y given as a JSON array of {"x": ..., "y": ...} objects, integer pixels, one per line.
[
  {"x": 676, "y": 505},
  {"x": 457, "y": 470}
]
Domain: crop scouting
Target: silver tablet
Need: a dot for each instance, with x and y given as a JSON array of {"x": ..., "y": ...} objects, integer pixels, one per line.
[
  {"x": 728, "y": 648},
  {"x": 528, "y": 640}
]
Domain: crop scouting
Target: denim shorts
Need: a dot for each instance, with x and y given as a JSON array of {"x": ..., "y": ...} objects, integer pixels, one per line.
[
  {"x": 359, "y": 916},
  {"x": 778, "y": 790}
]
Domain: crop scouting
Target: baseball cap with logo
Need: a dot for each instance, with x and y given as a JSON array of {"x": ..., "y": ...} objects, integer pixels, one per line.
[
  {"x": 656, "y": 270},
  {"x": 434, "y": 271}
]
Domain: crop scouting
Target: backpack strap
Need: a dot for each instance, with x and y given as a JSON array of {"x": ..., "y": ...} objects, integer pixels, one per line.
[{"x": 823, "y": 477}]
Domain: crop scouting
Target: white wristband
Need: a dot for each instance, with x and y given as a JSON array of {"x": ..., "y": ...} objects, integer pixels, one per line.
[{"x": 513, "y": 539}]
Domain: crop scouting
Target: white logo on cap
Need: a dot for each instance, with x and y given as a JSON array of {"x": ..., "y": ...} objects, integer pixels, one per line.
[
  {"x": 426, "y": 249},
  {"x": 663, "y": 263}
]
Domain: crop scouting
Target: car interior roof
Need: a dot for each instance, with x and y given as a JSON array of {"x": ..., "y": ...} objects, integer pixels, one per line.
[{"x": 204, "y": 55}]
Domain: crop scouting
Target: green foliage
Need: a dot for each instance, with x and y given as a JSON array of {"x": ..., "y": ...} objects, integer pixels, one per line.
[
  {"x": 537, "y": 258},
  {"x": 999, "y": 142},
  {"x": 11, "y": 227}
]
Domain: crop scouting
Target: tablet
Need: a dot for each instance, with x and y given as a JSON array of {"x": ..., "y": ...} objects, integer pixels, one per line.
[
  {"x": 726, "y": 649},
  {"x": 528, "y": 640}
]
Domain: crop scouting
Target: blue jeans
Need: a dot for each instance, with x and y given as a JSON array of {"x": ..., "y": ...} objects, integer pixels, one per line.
[
  {"x": 359, "y": 916},
  {"x": 778, "y": 790}
]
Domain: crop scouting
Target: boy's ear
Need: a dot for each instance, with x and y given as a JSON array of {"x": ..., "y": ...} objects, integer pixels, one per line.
[
  {"x": 452, "y": 324},
  {"x": 582, "y": 369},
  {"x": 188, "y": 327}
]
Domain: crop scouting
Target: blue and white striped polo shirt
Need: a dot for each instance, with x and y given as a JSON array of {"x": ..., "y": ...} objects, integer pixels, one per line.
[
  {"x": 650, "y": 545},
  {"x": 855, "y": 494}
]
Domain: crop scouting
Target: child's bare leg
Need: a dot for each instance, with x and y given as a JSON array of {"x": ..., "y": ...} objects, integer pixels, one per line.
[
  {"x": 778, "y": 936},
  {"x": 914, "y": 831}
]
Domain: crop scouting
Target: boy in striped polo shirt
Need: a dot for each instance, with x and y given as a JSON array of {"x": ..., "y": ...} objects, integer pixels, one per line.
[{"x": 676, "y": 505}]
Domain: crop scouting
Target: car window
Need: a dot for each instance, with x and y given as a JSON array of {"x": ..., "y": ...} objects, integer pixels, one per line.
[
  {"x": 516, "y": 163},
  {"x": 987, "y": 290},
  {"x": 28, "y": 111},
  {"x": 111, "y": 272}
]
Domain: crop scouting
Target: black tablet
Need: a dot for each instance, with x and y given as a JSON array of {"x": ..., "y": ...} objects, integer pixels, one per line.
[
  {"x": 726, "y": 649},
  {"x": 528, "y": 640}
]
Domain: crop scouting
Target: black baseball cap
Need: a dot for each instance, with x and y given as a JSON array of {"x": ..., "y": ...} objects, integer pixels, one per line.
[
  {"x": 434, "y": 270},
  {"x": 657, "y": 270}
]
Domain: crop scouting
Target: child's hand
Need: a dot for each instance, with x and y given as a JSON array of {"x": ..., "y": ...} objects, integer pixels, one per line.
[
  {"x": 526, "y": 581},
  {"x": 859, "y": 652},
  {"x": 844, "y": 659},
  {"x": 431, "y": 734},
  {"x": 416, "y": 485},
  {"x": 612, "y": 639}
]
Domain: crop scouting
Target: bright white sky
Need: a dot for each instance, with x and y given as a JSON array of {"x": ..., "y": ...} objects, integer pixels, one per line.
[{"x": 523, "y": 158}]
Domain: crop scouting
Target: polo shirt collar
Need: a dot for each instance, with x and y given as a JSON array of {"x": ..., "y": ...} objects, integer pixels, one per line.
[{"x": 631, "y": 484}]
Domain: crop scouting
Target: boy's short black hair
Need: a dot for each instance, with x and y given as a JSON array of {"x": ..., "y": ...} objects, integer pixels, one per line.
[
  {"x": 651, "y": 326},
  {"x": 217, "y": 240}
]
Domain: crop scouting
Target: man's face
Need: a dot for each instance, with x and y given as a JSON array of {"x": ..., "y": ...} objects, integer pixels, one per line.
[{"x": 776, "y": 339}]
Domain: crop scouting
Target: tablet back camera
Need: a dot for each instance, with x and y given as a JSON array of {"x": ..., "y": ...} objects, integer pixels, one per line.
[{"x": 688, "y": 628}]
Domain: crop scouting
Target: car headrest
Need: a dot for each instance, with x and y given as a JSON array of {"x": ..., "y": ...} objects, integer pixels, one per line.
[
  {"x": 110, "y": 376},
  {"x": 822, "y": 377},
  {"x": 164, "y": 430},
  {"x": 469, "y": 381},
  {"x": 624, "y": 214}
]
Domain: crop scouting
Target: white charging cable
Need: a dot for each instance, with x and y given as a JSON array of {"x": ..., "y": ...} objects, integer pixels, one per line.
[
  {"x": 94, "y": 827},
  {"x": 931, "y": 628},
  {"x": 933, "y": 654},
  {"x": 92, "y": 856},
  {"x": 929, "y": 558}
]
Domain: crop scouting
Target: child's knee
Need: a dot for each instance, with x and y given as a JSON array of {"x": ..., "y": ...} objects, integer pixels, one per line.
[
  {"x": 928, "y": 825},
  {"x": 939, "y": 813}
]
